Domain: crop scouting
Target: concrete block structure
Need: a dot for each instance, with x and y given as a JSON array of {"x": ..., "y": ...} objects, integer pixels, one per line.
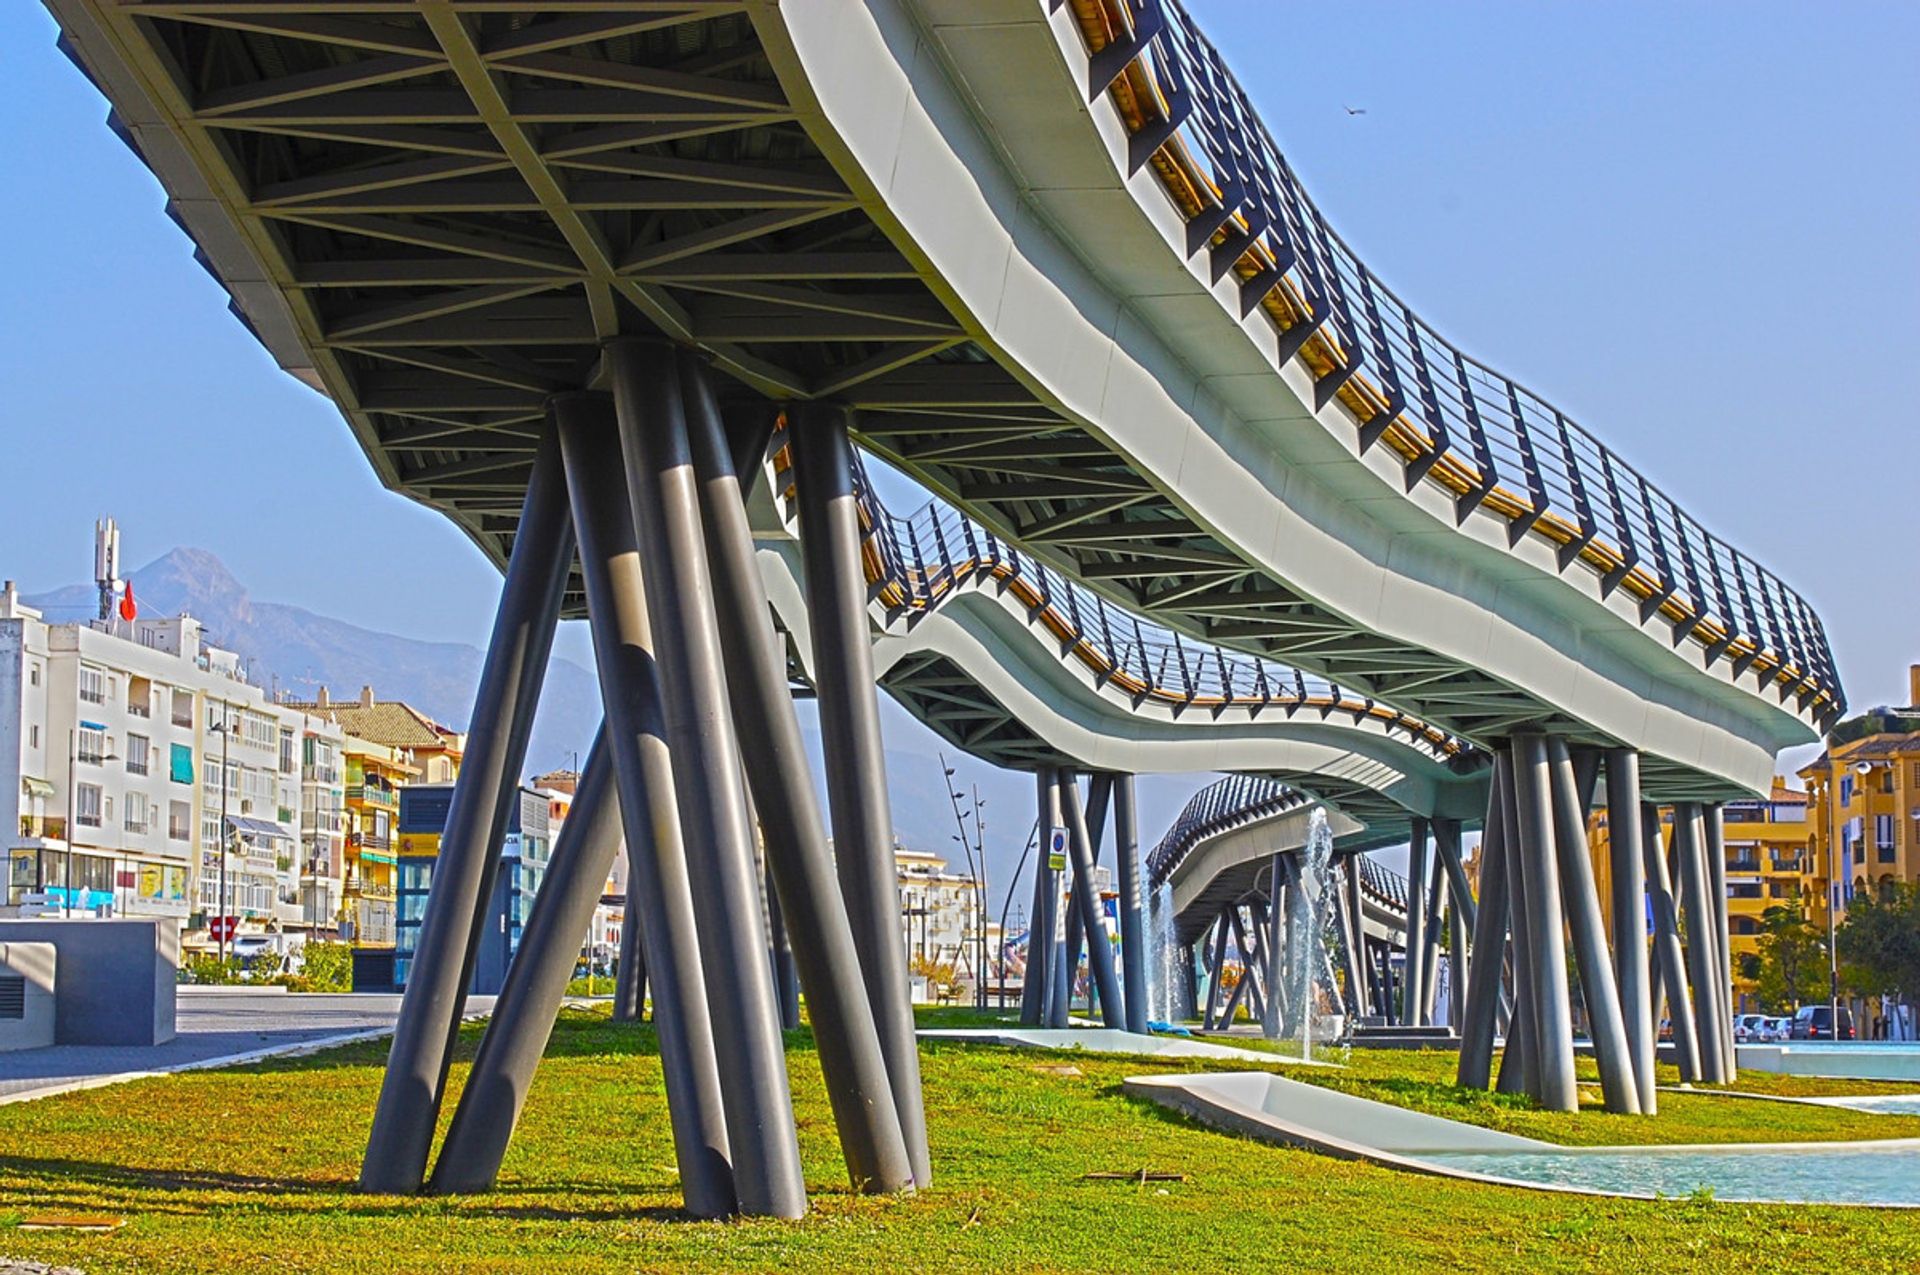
[
  {"x": 27, "y": 972},
  {"x": 114, "y": 981}
]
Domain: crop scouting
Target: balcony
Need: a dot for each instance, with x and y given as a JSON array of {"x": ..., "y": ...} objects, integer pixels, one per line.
[
  {"x": 369, "y": 889},
  {"x": 44, "y": 827},
  {"x": 369, "y": 841},
  {"x": 370, "y": 795}
]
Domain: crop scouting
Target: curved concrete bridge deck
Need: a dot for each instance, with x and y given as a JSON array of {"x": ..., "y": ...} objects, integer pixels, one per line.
[
  {"x": 1016, "y": 664},
  {"x": 1046, "y": 255}
]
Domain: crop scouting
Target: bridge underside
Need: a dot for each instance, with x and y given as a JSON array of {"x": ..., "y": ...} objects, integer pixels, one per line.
[{"x": 437, "y": 213}]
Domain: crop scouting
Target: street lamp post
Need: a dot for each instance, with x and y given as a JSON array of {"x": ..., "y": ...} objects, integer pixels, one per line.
[
  {"x": 73, "y": 815},
  {"x": 225, "y": 727}
]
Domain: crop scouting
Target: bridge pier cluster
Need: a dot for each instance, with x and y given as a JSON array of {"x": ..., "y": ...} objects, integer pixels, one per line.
[
  {"x": 695, "y": 744},
  {"x": 1057, "y": 934},
  {"x": 1538, "y": 897}
]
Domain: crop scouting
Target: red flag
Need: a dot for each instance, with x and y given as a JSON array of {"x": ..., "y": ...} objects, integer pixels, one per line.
[{"x": 127, "y": 609}]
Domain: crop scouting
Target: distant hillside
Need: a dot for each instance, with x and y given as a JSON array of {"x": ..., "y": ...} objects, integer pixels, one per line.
[{"x": 299, "y": 651}]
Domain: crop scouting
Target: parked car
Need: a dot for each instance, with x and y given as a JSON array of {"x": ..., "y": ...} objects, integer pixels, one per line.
[
  {"x": 1747, "y": 1028},
  {"x": 1815, "y": 1022}
]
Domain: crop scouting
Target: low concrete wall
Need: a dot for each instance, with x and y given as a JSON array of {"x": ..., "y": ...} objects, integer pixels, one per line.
[
  {"x": 33, "y": 965},
  {"x": 114, "y": 981},
  {"x": 1835, "y": 1061}
]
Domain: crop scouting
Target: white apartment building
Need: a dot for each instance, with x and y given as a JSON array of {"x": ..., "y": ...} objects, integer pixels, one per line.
[
  {"x": 940, "y": 913},
  {"x": 117, "y": 741}
]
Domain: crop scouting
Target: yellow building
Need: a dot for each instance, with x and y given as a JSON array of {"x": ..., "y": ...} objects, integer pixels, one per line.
[
  {"x": 1864, "y": 804},
  {"x": 1766, "y": 849},
  {"x": 374, "y": 776}
]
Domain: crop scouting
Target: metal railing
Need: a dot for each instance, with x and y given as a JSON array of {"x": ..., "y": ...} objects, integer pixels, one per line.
[
  {"x": 1454, "y": 421},
  {"x": 1224, "y": 804},
  {"x": 918, "y": 561}
]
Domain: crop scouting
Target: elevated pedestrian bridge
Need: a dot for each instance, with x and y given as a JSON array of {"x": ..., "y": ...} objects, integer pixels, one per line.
[
  {"x": 1047, "y": 257},
  {"x": 1014, "y": 663}
]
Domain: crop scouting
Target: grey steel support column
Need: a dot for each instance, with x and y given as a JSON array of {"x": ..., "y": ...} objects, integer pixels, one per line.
[
  {"x": 1447, "y": 850},
  {"x": 786, "y": 980},
  {"x": 637, "y": 735},
  {"x": 1552, "y": 1013},
  {"x": 1087, "y": 900},
  {"x": 1133, "y": 918},
  {"x": 497, "y": 733},
  {"x": 1210, "y": 1018},
  {"x": 707, "y": 779},
  {"x": 1412, "y": 994},
  {"x": 1520, "y": 1061},
  {"x": 804, "y": 899},
  {"x": 1099, "y": 797},
  {"x": 1360, "y": 984},
  {"x": 1264, "y": 987},
  {"x": 1715, "y": 844},
  {"x": 1037, "y": 983},
  {"x": 1627, "y": 889},
  {"x": 1456, "y": 967},
  {"x": 1702, "y": 940},
  {"x": 1353, "y": 999},
  {"x": 1059, "y": 910},
  {"x": 630, "y": 979},
  {"x": 1276, "y": 945},
  {"x": 1618, "y": 1087},
  {"x": 855, "y": 754},
  {"x": 1481, "y": 1010},
  {"x": 1666, "y": 944},
  {"x": 536, "y": 984},
  {"x": 1435, "y": 929},
  {"x": 1249, "y": 987}
]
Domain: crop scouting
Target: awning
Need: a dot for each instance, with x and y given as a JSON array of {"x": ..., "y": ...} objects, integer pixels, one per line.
[
  {"x": 250, "y": 827},
  {"x": 33, "y": 787},
  {"x": 377, "y": 856}
]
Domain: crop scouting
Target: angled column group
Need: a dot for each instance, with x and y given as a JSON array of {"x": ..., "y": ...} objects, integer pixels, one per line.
[
  {"x": 1067, "y": 917},
  {"x": 696, "y": 745},
  {"x": 1538, "y": 900}
]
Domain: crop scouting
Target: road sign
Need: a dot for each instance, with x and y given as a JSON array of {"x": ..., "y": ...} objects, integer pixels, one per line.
[{"x": 222, "y": 928}]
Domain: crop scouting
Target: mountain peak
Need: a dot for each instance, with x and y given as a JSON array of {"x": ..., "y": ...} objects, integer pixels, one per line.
[{"x": 193, "y": 580}]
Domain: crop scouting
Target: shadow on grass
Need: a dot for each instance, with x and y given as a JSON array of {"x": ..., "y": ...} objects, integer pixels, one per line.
[{"x": 55, "y": 1182}]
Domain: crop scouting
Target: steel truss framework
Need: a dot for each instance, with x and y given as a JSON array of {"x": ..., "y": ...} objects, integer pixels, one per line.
[{"x": 439, "y": 212}]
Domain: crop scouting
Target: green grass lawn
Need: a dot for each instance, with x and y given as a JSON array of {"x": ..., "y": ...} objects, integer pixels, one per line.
[{"x": 252, "y": 1170}]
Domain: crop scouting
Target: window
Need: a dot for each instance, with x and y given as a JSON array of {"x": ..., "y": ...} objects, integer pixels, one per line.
[
  {"x": 91, "y": 746},
  {"x": 33, "y": 676},
  {"x": 93, "y": 685},
  {"x": 138, "y": 811},
  {"x": 288, "y": 764},
  {"x": 179, "y": 821},
  {"x": 1883, "y": 837},
  {"x": 1846, "y": 790},
  {"x": 1886, "y": 780},
  {"x": 86, "y": 805},
  {"x": 180, "y": 763},
  {"x": 139, "y": 696},
  {"x": 182, "y": 707},
  {"x": 137, "y": 749},
  {"x": 33, "y": 737}
]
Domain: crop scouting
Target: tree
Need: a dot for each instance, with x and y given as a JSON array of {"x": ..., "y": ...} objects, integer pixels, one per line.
[
  {"x": 1792, "y": 960},
  {"x": 1880, "y": 942}
]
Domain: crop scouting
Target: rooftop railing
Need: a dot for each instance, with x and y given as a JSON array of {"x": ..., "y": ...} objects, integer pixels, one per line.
[{"x": 1487, "y": 440}]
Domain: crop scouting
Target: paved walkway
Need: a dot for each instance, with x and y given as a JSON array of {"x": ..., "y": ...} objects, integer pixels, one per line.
[{"x": 216, "y": 1027}]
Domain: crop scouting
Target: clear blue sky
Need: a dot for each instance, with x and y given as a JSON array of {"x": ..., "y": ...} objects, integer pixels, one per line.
[{"x": 1697, "y": 228}]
